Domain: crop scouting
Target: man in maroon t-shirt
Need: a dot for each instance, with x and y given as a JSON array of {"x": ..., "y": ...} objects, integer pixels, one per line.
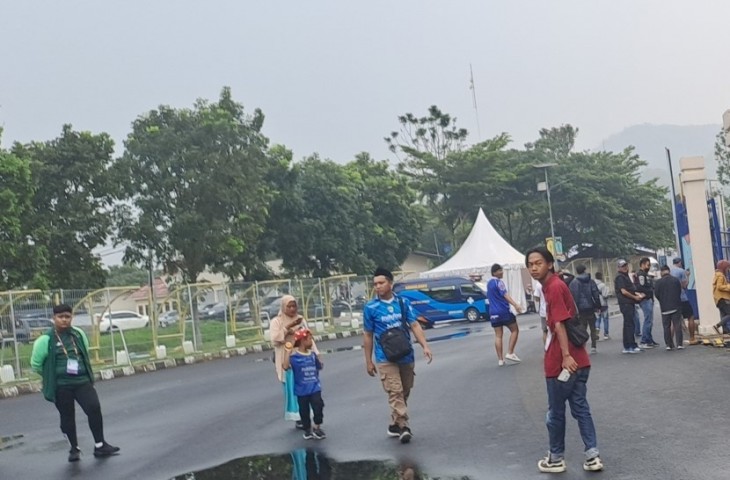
[{"x": 566, "y": 369}]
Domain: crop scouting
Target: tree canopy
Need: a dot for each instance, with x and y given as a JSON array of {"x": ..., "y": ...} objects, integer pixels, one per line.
[
  {"x": 194, "y": 191},
  {"x": 201, "y": 188}
]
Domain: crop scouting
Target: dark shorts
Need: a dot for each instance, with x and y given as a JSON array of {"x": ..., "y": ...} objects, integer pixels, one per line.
[
  {"x": 687, "y": 310},
  {"x": 502, "y": 320}
]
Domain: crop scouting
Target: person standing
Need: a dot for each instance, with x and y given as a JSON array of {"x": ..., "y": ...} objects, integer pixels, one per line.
[
  {"x": 305, "y": 366},
  {"x": 721, "y": 293},
  {"x": 645, "y": 286},
  {"x": 381, "y": 316},
  {"x": 627, "y": 299},
  {"x": 603, "y": 314},
  {"x": 567, "y": 368},
  {"x": 61, "y": 357},
  {"x": 668, "y": 291},
  {"x": 282, "y": 330},
  {"x": 541, "y": 309},
  {"x": 681, "y": 274},
  {"x": 500, "y": 315},
  {"x": 587, "y": 299}
]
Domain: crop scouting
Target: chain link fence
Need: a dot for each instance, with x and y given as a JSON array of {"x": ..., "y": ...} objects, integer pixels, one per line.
[{"x": 137, "y": 324}]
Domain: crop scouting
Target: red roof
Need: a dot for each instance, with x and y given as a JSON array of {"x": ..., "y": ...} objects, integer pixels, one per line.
[{"x": 143, "y": 294}]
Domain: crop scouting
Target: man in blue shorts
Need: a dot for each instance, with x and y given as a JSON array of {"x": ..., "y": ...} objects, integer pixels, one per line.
[{"x": 500, "y": 315}]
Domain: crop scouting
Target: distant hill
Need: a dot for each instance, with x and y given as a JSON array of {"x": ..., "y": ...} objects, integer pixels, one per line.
[{"x": 682, "y": 141}]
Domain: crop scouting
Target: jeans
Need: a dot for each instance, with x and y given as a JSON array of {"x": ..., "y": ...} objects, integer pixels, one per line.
[
  {"x": 574, "y": 392},
  {"x": 637, "y": 322},
  {"x": 628, "y": 312},
  {"x": 602, "y": 317},
  {"x": 647, "y": 308},
  {"x": 672, "y": 320},
  {"x": 87, "y": 398}
]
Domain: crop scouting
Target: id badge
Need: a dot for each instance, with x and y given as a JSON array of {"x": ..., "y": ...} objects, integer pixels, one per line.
[{"x": 72, "y": 366}]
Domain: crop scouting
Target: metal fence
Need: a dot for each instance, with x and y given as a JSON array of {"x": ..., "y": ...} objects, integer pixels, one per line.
[{"x": 165, "y": 317}]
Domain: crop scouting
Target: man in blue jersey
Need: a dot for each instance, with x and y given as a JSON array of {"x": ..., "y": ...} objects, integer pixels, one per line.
[
  {"x": 500, "y": 315},
  {"x": 380, "y": 315}
]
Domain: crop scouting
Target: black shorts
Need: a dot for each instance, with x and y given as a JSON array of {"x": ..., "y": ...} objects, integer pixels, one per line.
[
  {"x": 687, "y": 310},
  {"x": 502, "y": 320}
]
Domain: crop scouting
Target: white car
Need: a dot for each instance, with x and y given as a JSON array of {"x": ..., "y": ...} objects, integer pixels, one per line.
[{"x": 122, "y": 320}]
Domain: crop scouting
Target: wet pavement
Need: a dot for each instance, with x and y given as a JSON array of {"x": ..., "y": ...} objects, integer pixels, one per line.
[
  {"x": 659, "y": 415},
  {"x": 308, "y": 464}
]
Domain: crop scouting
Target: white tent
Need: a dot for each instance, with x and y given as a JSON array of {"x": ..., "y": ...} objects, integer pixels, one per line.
[{"x": 481, "y": 249}]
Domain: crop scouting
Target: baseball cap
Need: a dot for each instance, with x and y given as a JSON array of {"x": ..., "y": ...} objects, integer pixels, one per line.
[
  {"x": 677, "y": 260},
  {"x": 300, "y": 334},
  {"x": 622, "y": 263}
]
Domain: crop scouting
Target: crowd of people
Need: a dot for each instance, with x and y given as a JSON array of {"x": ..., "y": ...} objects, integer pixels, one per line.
[{"x": 572, "y": 311}]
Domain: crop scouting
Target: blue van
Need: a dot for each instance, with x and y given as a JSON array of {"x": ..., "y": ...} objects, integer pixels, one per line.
[{"x": 444, "y": 299}]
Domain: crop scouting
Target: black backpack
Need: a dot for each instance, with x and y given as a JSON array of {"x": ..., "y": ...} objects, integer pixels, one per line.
[{"x": 396, "y": 341}]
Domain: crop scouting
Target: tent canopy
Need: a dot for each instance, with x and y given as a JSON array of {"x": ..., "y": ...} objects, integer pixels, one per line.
[{"x": 481, "y": 249}]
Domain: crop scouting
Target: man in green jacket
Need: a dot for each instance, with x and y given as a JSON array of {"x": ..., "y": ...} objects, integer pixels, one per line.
[{"x": 61, "y": 356}]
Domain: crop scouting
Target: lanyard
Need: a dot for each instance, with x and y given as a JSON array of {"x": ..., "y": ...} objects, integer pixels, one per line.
[{"x": 73, "y": 342}]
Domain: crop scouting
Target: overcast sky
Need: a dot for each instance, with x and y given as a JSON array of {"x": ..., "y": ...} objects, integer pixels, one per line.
[{"x": 332, "y": 76}]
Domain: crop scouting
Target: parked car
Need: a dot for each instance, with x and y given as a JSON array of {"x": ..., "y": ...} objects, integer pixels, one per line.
[
  {"x": 168, "y": 318},
  {"x": 28, "y": 329},
  {"x": 122, "y": 320},
  {"x": 271, "y": 305},
  {"x": 444, "y": 299}
]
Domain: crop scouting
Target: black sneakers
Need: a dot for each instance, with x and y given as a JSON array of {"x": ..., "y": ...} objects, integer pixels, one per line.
[
  {"x": 74, "y": 455},
  {"x": 405, "y": 435},
  {"x": 319, "y": 434},
  {"x": 106, "y": 450},
  {"x": 299, "y": 425},
  {"x": 307, "y": 435},
  {"x": 393, "y": 431}
]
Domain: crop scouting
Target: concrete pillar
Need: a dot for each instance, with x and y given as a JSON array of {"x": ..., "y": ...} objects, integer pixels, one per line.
[
  {"x": 726, "y": 125},
  {"x": 693, "y": 186}
]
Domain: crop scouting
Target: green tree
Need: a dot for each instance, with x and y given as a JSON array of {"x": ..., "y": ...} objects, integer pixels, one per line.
[
  {"x": 72, "y": 202},
  {"x": 341, "y": 219},
  {"x": 389, "y": 221},
  {"x": 599, "y": 199},
  {"x": 21, "y": 261},
  {"x": 194, "y": 189}
]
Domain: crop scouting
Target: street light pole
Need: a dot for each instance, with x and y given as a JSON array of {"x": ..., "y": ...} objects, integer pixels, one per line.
[
  {"x": 550, "y": 207},
  {"x": 545, "y": 167}
]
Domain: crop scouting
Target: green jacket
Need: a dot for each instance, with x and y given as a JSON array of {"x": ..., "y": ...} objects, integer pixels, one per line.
[{"x": 43, "y": 359}]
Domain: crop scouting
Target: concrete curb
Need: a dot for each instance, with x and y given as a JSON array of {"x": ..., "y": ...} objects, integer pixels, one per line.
[{"x": 24, "y": 388}]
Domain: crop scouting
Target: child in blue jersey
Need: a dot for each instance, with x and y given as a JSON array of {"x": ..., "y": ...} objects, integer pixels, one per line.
[{"x": 305, "y": 366}]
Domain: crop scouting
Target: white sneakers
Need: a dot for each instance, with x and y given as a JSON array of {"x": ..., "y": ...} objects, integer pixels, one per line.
[{"x": 512, "y": 358}]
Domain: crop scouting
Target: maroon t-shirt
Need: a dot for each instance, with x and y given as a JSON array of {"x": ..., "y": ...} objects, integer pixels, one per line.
[{"x": 560, "y": 307}]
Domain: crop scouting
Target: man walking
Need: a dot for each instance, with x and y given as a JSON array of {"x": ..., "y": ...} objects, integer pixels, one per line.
[
  {"x": 500, "y": 315},
  {"x": 627, "y": 299},
  {"x": 61, "y": 357},
  {"x": 588, "y": 300},
  {"x": 668, "y": 290},
  {"x": 567, "y": 367},
  {"x": 645, "y": 286},
  {"x": 680, "y": 274},
  {"x": 383, "y": 318}
]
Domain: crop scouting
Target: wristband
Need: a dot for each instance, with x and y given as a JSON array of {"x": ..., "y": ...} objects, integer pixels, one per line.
[{"x": 288, "y": 345}]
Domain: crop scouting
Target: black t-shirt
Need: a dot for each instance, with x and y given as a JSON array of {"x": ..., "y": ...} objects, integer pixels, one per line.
[{"x": 623, "y": 281}]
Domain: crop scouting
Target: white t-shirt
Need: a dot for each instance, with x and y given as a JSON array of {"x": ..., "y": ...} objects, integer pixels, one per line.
[{"x": 537, "y": 293}]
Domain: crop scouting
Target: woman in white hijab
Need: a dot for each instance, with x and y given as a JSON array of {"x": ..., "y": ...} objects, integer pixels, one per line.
[{"x": 282, "y": 331}]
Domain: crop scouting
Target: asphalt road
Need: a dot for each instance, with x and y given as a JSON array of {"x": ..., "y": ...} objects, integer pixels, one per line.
[{"x": 659, "y": 415}]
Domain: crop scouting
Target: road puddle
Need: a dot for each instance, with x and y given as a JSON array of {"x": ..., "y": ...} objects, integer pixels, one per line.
[{"x": 311, "y": 465}]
